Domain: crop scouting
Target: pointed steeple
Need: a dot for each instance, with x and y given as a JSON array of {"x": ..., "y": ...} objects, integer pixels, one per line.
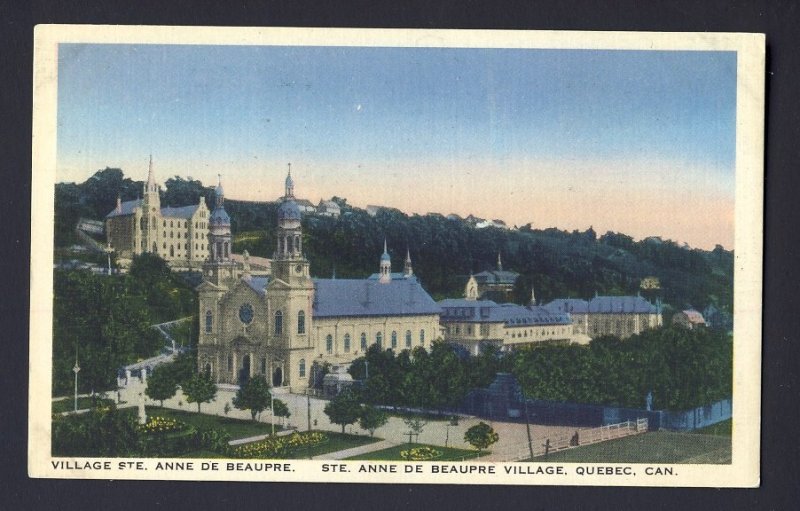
[
  {"x": 119, "y": 204},
  {"x": 499, "y": 262},
  {"x": 407, "y": 269},
  {"x": 533, "y": 297},
  {"x": 219, "y": 193},
  {"x": 386, "y": 265},
  {"x": 289, "y": 183},
  {"x": 151, "y": 177}
]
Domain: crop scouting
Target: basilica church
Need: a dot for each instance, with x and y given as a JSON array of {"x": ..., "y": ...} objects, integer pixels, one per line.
[{"x": 283, "y": 324}]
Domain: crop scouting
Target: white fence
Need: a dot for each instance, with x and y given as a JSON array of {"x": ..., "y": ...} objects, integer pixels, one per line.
[{"x": 581, "y": 437}]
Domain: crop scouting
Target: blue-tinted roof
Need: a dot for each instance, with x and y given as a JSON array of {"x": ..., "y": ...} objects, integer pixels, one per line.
[
  {"x": 395, "y": 276},
  {"x": 618, "y": 304},
  {"x": 126, "y": 209},
  {"x": 181, "y": 212},
  {"x": 603, "y": 305},
  {"x": 511, "y": 314},
  {"x": 258, "y": 284},
  {"x": 220, "y": 216},
  {"x": 354, "y": 297},
  {"x": 570, "y": 305},
  {"x": 289, "y": 210}
]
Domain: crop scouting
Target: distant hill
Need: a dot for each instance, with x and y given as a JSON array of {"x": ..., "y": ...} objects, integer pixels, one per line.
[{"x": 444, "y": 251}]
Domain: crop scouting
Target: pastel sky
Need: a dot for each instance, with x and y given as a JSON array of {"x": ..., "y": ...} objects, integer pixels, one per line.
[{"x": 640, "y": 142}]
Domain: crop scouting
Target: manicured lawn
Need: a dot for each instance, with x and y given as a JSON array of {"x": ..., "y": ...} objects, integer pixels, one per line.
[
  {"x": 653, "y": 447},
  {"x": 393, "y": 453},
  {"x": 68, "y": 405},
  {"x": 236, "y": 428},
  {"x": 720, "y": 429},
  {"x": 336, "y": 442}
]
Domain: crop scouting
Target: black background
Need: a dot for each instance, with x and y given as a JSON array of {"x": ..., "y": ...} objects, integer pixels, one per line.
[{"x": 779, "y": 448}]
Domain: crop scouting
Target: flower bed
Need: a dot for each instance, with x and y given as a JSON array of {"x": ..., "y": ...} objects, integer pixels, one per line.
[
  {"x": 278, "y": 447},
  {"x": 156, "y": 425},
  {"x": 420, "y": 454}
]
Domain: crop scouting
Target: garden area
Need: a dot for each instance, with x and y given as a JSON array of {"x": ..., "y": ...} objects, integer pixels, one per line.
[
  {"x": 107, "y": 431},
  {"x": 68, "y": 404},
  {"x": 234, "y": 428}
]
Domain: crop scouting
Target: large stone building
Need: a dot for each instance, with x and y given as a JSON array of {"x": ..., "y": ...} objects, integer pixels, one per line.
[
  {"x": 622, "y": 316},
  {"x": 475, "y": 323},
  {"x": 178, "y": 235},
  {"x": 281, "y": 325}
]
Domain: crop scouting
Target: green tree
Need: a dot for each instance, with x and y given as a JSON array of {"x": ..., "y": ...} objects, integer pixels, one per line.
[
  {"x": 281, "y": 409},
  {"x": 199, "y": 389},
  {"x": 481, "y": 436},
  {"x": 161, "y": 385},
  {"x": 344, "y": 409},
  {"x": 415, "y": 426},
  {"x": 102, "y": 431},
  {"x": 372, "y": 418},
  {"x": 253, "y": 395}
]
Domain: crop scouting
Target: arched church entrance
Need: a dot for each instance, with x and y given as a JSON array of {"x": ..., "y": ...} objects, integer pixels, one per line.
[
  {"x": 244, "y": 372},
  {"x": 277, "y": 377}
]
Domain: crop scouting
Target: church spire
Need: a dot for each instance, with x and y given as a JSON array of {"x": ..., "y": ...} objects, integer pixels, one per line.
[
  {"x": 533, "y": 296},
  {"x": 151, "y": 177},
  {"x": 407, "y": 269},
  {"x": 499, "y": 262},
  {"x": 386, "y": 265},
  {"x": 289, "y": 183}
]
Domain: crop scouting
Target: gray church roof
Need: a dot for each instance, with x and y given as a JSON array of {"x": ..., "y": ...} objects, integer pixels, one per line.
[
  {"x": 396, "y": 275},
  {"x": 181, "y": 212},
  {"x": 126, "y": 208},
  {"x": 258, "y": 284},
  {"x": 511, "y": 314},
  {"x": 603, "y": 305},
  {"x": 354, "y": 297}
]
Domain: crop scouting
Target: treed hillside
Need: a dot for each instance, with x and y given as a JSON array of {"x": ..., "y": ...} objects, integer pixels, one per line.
[{"x": 444, "y": 251}]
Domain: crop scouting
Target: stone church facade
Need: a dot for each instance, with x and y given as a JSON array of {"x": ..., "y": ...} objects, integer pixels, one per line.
[
  {"x": 282, "y": 324},
  {"x": 177, "y": 235}
]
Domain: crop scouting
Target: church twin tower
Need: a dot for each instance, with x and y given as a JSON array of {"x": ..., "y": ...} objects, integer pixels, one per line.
[{"x": 282, "y": 325}]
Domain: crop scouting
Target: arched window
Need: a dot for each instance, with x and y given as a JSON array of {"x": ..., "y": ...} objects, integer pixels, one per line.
[
  {"x": 302, "y": 368},
  {"x": 230, "y": 363},
  {"x": 278, "y": 322},
  {"x": 165, "y": 223},
  {"x": 329, "y": 344},
  {"x": 363, "y": 342},
  {"x": 394, "y": 340},
  {"x": 408, "y": 338},
  {"x": 347, "y": 343},
  {"x": 170, "y": 224},
  {"x": 422, "y": 337},
  {"x": 171, "y": 251},
  {"x": 207, "y": 370},
  {"x": 379, "y": 339},
  {"x": 141, "y": 223},
  {"x": 301, "y": 322},
  {"x": 263, "y": 366},
  {"x": 209, "y": 321}
]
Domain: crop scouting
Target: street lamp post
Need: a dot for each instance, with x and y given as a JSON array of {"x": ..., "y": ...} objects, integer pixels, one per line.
[
  {"x": 75, "y": 370},
  {"x": 108, "y": 251},
  {"x": 272, "y": 409}
]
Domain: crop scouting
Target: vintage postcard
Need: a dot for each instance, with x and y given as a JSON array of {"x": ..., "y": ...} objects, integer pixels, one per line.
[{"x": 396, "y": 256}]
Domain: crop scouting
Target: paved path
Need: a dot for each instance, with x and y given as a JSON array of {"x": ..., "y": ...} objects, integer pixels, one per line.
[
  {"x": 438, "y": 433},
  {"x": 256, "y": 438},
  {"x": 355, "y": 451}
]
